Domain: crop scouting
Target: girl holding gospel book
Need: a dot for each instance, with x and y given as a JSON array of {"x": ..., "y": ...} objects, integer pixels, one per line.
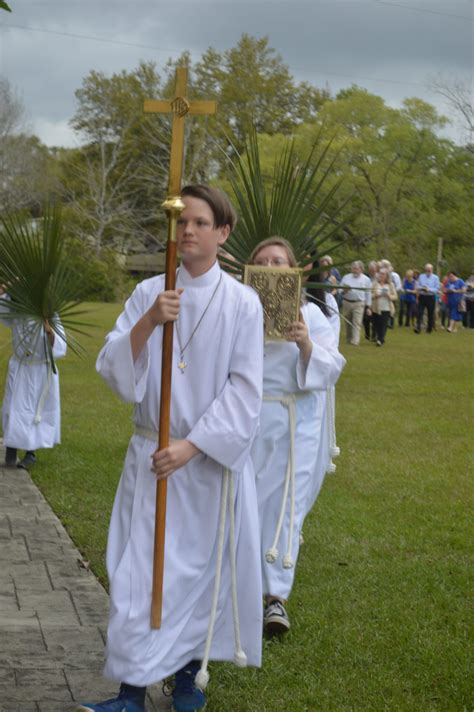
[{"x": 285, "y": 450}]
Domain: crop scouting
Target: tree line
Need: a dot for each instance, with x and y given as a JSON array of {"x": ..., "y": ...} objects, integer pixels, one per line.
[{"x": 403, "y": 185}]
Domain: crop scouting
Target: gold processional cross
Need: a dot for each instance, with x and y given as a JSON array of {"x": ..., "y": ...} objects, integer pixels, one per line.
[{"x": 180, "y": 107}]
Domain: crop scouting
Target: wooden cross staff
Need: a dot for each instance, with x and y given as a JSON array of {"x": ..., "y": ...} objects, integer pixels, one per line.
[{"x": 179, "y": 106}]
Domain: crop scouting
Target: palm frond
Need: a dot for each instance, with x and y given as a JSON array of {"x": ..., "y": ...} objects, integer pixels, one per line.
[
  {"x": 297, "y": 201},
  {"x": 41, "y": 284}
]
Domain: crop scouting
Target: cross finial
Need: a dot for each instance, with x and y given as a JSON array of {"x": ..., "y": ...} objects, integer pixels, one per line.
[{"x": 179, "y": 106}]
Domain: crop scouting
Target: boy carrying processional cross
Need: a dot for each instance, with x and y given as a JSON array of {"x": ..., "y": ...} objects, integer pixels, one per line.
[{"x": 212, "y": 561}]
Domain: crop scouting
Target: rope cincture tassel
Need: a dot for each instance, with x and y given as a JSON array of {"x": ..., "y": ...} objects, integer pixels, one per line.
[
  {"x": 334, "y": 451},
  {"x": 288, "y": 562},
  {"x": 240, "y": 658},
  {"x": 44, "y": 395},
  {"x": 271, "y": 555},
  {"x": 28, "y": 359}
]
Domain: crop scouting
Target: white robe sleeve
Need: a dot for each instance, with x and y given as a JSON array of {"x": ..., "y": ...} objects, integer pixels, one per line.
[
  {"x": 333, "y": 316},
  {"x": 227, "y": 428},
  {"x": 115, "y": 361},
  {"x": 60, "y": 344},
  {"x": 325, "y": 363}
]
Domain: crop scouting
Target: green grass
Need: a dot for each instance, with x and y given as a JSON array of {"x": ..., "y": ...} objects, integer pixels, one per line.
[{"x": 380, "y": 611}]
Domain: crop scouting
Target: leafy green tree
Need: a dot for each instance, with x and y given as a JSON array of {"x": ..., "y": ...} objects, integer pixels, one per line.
[
  {"x": 117, "y": 178},
  {"x": 25, "y": 168},
  {"x": 394, "y": 165},
  {"x": 24, "y": 161},
  {"x": 254, "y": 90}
]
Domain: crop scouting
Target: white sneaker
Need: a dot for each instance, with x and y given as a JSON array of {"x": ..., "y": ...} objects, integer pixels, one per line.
[{"x": 275, "y": 618}]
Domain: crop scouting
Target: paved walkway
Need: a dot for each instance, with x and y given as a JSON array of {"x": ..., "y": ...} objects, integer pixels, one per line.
[{"x": 53, "y": 612}]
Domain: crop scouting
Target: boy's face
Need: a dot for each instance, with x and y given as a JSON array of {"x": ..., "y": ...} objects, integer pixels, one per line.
[{"x": 197, "y": 238}]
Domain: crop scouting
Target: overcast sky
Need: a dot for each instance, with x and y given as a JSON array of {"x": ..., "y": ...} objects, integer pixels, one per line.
[{"x": 390, "y": 47}]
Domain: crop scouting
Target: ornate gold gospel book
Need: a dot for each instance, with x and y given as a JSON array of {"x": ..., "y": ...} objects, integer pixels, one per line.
[{"x": 280, "y": 293}]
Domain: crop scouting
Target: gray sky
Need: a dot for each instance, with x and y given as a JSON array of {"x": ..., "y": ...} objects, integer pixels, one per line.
[{"x": 390, "y": 47}]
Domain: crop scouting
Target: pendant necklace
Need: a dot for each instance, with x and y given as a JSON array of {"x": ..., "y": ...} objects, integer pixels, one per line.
[{"x": 182, "y": 363}]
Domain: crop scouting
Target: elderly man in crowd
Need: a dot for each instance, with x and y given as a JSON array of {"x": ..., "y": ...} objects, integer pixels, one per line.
[
  {"x": 357, "y": 298},
  {"x": 427, "y": 288}
]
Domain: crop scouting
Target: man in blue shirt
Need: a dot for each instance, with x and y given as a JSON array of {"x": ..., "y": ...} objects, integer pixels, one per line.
[{"x": 427, "y": 289}]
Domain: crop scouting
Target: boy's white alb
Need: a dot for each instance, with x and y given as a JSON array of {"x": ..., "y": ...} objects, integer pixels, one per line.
[{"x": 215, "y": 404}]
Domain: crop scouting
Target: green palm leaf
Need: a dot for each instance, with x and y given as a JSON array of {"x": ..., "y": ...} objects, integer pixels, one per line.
[
  {"x": 297, "y": 202},
  {"x": 42, "y": 285}
]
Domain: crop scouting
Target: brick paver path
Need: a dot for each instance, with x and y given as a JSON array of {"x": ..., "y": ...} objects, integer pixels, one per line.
[{"x": 53, "y": 612}]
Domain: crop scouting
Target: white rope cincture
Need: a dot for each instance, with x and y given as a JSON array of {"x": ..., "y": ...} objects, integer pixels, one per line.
[
  {"x": 240, "y": 658},
  {"x": 288, "y": 562},
  {"x": 27, "y": 358},
  {"x": 334, "y": 451},
  {"x": 44, "y": 395},
  {"x": 288, "y": 401},
  {"x": 226, "y": 499}
]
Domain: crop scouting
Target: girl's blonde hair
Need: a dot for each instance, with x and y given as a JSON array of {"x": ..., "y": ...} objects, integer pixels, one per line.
[{"x": 280, "y": 242}]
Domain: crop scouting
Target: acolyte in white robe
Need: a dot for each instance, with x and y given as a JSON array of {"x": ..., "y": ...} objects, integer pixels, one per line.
[
  {"x": 215, "y": 404},
  {"x": 31, "y": 409},
  {"x": 285, "y": 374}
]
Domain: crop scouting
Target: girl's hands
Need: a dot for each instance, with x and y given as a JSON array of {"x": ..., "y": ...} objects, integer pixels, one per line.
[{"x": 299, "y": 334}]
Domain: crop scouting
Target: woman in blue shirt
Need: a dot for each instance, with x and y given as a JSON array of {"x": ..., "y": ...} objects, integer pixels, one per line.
[
  {"x": 408, "y": 300},
  {"x": 455, "y": 289}
]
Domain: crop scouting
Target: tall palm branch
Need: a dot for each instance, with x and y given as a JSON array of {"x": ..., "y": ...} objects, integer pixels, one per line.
[
  {"x": 41, "y": 284},
  {"x": 296, "y": 202}
]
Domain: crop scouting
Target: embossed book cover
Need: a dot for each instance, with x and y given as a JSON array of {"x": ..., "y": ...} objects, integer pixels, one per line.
[{"x": 280, "y": 293}]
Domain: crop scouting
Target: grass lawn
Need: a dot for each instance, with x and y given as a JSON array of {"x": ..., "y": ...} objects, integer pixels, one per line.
[{"x": 380, "y": 609}]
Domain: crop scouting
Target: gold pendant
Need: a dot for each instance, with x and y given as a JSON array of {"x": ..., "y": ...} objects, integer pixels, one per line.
[{"x": 182, "y": 365}]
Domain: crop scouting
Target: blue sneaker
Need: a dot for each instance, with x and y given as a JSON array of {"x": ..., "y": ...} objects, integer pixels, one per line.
[
  {"x": 117, "y": 704},
  {"x": 186, "y": 696}
]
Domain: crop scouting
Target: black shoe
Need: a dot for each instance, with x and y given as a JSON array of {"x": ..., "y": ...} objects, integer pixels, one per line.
[
  {"x": 417, "y": 331},
  {"x": 10, "y": 456},
  {"x": 28, "y": 461},
  {"x": 275, "y": 618}
]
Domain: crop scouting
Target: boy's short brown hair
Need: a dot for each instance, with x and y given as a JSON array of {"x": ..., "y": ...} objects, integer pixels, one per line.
[{"x": 222, "y": 208}]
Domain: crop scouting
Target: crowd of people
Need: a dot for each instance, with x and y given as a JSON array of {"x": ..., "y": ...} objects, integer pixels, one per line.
[{"x": 376, "y": 299}]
